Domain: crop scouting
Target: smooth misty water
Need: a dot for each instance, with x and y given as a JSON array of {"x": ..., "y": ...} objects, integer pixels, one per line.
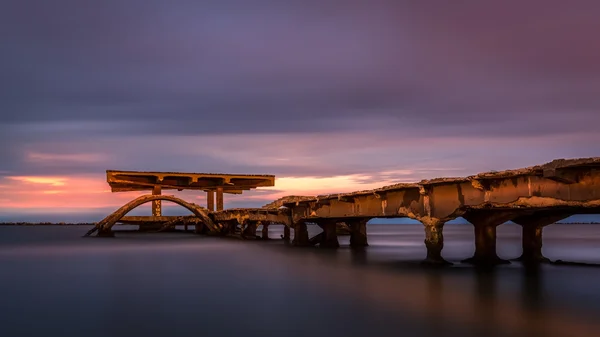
[{"x": 55, "y": 283}]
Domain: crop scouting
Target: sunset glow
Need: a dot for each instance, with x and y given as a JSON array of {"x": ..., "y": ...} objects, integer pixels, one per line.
[{"x": 368, "y": 96}]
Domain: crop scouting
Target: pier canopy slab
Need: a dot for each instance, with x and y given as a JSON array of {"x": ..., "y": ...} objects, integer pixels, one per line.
[{"x": 123, "y": 181}]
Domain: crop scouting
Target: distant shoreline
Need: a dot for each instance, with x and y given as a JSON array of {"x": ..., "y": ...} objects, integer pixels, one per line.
[
  {"x": 47, "y": 224},
  {"x": 93, "y": 223}
]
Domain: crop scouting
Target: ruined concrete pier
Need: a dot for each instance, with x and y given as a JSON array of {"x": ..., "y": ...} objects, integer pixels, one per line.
[{"x": 532, "y": 197}]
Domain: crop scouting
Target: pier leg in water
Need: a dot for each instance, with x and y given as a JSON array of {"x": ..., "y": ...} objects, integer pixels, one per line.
[
  {"x": 286, "y": 233},
  {"x": 199, "y": 228},
  {"x": 532, "y": 226},
  {"x": 249, "y": 231},
  {"x": 485, "y": 223},
  {"x": 300, "y": 235},
  {"x": 106, "y": 233},
  {"x": 434, "y": 241},
  {"x": 265, "y": 230},
  {"x": 358, "y": 233},
  {"x": 329, "y": 239}
]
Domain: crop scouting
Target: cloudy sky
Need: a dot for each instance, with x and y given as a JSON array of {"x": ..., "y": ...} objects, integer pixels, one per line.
[{"x": 330, "y": 96}]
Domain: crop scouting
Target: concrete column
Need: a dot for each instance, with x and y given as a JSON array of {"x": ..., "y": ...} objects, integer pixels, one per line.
[
  {"x": 106, "y": 233},
  {"x": 300, "y": 234},
  {"x": 330, "y": 239},
  {"x": 358, "y": 232},
  {"x": 532, "y": 226},
  {"x": 219, "y": 198},
  {"x": 156, "y": 204},
  {"x": 210, "y": 200},
  {"x": 434, "y": 241},
  {"x": 286, "y": 233},
  {"x": 249, "y": 230},
  {"x": 265, "y": 230},
  {"x": 485, "y": 223},
  {"x": 199, "y": 228}
]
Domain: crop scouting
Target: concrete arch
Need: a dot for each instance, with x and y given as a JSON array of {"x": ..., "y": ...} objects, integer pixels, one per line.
[{"x": 106, "y": 224}]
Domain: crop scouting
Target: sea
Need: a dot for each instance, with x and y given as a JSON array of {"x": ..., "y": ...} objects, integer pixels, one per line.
[{"x": 54, "y": 282}]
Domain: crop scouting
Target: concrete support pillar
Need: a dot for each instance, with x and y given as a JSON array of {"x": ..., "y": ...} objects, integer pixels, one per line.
[
  {"x": 219, "y": 198},
  {"x": 153, "y": 227},
  {"x": 358, "y": 232},
  {"x": 286, "y": 233},
  {"x": 329, "y": 239},
  {"x": 249, "y": 230},
  {"x": 199, "y": 228},
  {"x": 485, "y": 223},
  {"x": 300, "y": 235},
  {"x": 106, "y": 233},
  {"x": 532, "y": 226},
  {"x": 434, "y": 241},
  {"x": 156, "y": 204},
  {"x": 265, "y": 230},
  {"x": 210, "y": 200},
  {"x": 232, "y": 227}
]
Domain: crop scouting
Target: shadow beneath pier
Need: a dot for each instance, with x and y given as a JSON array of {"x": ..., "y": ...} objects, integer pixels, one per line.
[{"x": 573, "y": 263}]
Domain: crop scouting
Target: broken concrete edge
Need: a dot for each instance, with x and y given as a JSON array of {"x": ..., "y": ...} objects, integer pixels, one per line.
[
  {"x": 287, "y": 200},
  {"x": 533, "y": 170},
  {"x": 521, "y": 204},
  {"x": 190, "y": 173}
]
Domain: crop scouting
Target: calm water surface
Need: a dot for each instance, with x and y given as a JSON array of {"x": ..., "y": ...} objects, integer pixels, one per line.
[{"x": 55, "y": 283}]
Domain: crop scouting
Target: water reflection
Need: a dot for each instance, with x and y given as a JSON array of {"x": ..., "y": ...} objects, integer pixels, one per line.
[{"x": 175, "y": 284}]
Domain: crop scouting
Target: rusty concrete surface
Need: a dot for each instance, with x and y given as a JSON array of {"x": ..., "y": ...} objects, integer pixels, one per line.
[
  {"x": 532, "y": 197},
  {"x": 122, "y": 181},
  {"x": 573, "y": 184}
]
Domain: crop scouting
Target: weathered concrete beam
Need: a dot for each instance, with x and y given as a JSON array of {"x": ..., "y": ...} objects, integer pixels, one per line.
[
  {"x": 448, "y": 198},
  {"x": 559, "y": 176},
  {"x": 281, "y": 216}
]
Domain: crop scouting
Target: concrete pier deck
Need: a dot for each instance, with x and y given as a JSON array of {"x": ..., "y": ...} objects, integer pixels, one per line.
[{"x": 532, "y": 197}]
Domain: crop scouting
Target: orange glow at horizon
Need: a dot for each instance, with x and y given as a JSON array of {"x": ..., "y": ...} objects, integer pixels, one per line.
[{"x": 80, "y": 192}]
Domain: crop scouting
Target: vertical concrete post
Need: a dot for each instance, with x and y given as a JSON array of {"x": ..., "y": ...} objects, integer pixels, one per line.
[
  {"x": 286, "y": 233},
  {"x": 532, "y": 226},
  {"x": 249, "y": 229},
  {"x": 358, "y": 232},
  {"x": 265, "y": 230},
  {"x": 300, "y": 234},
  {"x": 485, "y": 223},
  {"x": 156, "y": 204},
  {"x": 107, "y": 233},
  {"x": 434, "y": 241},
  {"x": 330, "y": 239},
  {"x": 199, "y": 228},
  {"x": 219, "y": 198},
  {"x": 210, "y": 200}
]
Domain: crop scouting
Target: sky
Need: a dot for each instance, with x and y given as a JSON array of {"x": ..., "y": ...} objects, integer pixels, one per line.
[{"x": 329, "y": 96}]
